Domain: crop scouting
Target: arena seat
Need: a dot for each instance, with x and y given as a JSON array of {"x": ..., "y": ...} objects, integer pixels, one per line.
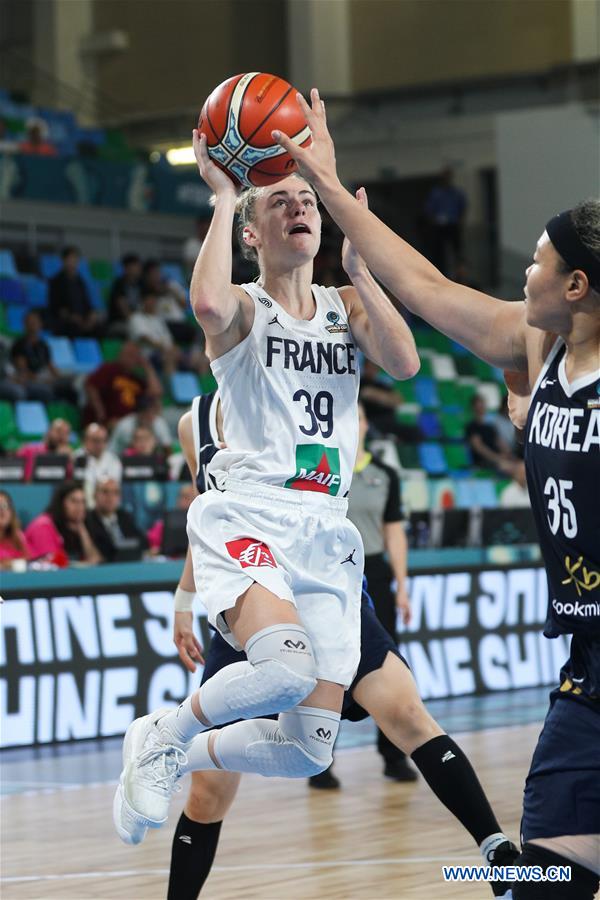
[
  {"x": 50, "y": 264},
  {"x": 15, "y": 316},
  {"x": 8, "y": 426},
  {"x": 31, "y": 418},
  {"x": 11, "y": 290},
  {"x": 8, "y": 268},
  {"x": 429, "y": 424},
  {"x": 36, "y": 291},
  {"x": 432, "y": 459},
  {"x": 88, "y": 355},
  {"x": 426, "y": 392},
  {"x": 184, "y": 387},
  {"x": 61, "y": 351},
  {"x": 457, "y": 456}
]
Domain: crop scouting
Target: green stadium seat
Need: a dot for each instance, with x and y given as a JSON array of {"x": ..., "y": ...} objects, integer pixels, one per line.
[
  {"x": 8, "y": 425},
  {"x": 408, "y": 455},
  {"x": 101, "y": 269},
  {"x": 453, "y": 426},
  {"x": 208, "y": 383},
  {"x": 61, "y": 410},
  {"x": 457, "y": 456},
  {"x": 465, "y": 365},
  {"x": 111, "y": 347},
  {"x": 406, "y": 389}
]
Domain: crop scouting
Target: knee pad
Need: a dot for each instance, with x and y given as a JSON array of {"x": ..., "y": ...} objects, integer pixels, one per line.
[
  {"x": 582, "y": 886},
  {"x": 279, "y": 674},
  {"x": 299, "y": 745}
]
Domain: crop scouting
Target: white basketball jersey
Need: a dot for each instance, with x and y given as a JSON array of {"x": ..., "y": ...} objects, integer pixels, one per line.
[{"x": 289, "y": 398}]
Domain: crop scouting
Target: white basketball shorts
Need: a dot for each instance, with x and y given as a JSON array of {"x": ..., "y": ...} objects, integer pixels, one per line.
[{"x": 297, "y": 544}]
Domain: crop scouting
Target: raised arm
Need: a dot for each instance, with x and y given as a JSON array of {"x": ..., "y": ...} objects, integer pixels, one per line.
[
  {"x": 381, "y": 332},
  {"x": 493, "y": 329},
  {"x": 216, "y": 302}
]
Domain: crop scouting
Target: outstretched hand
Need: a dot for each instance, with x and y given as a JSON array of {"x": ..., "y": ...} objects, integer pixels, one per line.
[
  {"x": 317, "y": 161},
  {"x": 214, "y": 177},
  {"x": 352, "y": 262}
]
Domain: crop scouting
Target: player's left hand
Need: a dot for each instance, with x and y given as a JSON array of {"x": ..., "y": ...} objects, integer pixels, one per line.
[
  {"x": 352, "y": 263},
  {"x": 317, "y": 161},
  {"x": 403, "y": 605},
  {"x": 188, "y": 645}
]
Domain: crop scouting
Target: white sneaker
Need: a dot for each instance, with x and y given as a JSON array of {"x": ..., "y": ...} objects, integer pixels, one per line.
[{"x": 151, "y": 768}]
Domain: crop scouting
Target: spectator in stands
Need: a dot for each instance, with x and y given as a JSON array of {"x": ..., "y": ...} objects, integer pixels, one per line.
[
  {"x": 488, "y": 448},
  {"x": 115, "y": 388},
  {"x": 36, "y": 143},
  {"x": 125, "y": 295},
  {"x": 144, "y": 443},
  {"x": 113, "y": 529},
  {"x": 147, "y": 414},
  {"x": 516, "y": 495},
  {"x": 56, "y": 440},
  {"x": 172, "y": 302},
  {"x": 187, "y": 494},
  {"x": 35, "y": 372},
  {"x": 13, "y": 543},
  {"x": 70, "y": 310},
  {"x": 60, "y": 534},
  {"x": 381, "y": 401},
  {"x": 94, "y": 462},
  {"x": 150, "y": 331},
  {"x": 193, "y": 246},
  {"x": 506, "y": 429},
  {"x": 445, "y": 209}
]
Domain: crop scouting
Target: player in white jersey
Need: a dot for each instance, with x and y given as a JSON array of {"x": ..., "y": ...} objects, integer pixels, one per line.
[
  {"x": 275, "y": 558},
  {"x": 553, "y": 337}
]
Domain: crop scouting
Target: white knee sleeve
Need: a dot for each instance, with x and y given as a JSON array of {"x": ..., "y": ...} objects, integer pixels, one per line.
[
  {"x": 299, "y": 745},
  {"x": 279, "y": 674}
]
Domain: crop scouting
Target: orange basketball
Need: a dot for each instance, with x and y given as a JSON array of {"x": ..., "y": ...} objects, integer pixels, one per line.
[{"x": 238, "y": 119}]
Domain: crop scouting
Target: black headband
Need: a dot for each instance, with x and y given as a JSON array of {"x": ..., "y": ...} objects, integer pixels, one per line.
[{"x": 568, "y": 244}]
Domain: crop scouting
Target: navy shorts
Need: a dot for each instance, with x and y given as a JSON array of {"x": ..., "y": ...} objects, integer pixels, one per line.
[
  {"x": 375, "y": 644},
  {"x": 562, "y": 791}
]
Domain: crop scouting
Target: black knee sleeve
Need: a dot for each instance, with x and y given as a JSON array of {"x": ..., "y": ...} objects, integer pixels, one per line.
[{"x": 582, "y": 886}]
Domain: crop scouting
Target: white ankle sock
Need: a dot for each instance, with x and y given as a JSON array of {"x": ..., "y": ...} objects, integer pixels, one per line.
[
  {"x": 197, "y": 754},
  {"x": 490, "y": 843},
  {"x": 182, "y": 722}
]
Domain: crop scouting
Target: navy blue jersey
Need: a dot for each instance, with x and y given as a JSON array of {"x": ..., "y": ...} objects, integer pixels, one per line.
[
  {"x": 562, "y": 457},
  {"x": 206, "y": 438}
]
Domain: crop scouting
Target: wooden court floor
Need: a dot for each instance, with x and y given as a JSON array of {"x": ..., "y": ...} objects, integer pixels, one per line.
[{"x": 282, "y": 841}]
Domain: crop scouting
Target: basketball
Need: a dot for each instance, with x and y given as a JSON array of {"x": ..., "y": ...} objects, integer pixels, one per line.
[{"x": 238, "y": 119}]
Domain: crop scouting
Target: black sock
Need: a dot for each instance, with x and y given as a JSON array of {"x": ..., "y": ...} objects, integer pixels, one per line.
[
  {"x": 192, "y": 856},
  {"x": 452, "y": 779}
]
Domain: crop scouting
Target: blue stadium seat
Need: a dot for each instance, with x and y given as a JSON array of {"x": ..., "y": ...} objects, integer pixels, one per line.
[
  {"x": 429, "y": 424},
  {"x": 36, "y": 291},
  {"x": 173, "y": 272},
  {"x": 432, "y": 459},
  {"x": 50, "y": 264},
  {"x": 31, "y": 418},
  {"x": 88, "y": 354},
  {"x": 11, "y": 291},
  {"x": 93, "y": 288},
  {"x": 61, "y": 351},
  {"x": 15, "y": 315},
  {"x": 476, "y": 492},
  {"x": 426, "y": 392},
  {"x": 8, "y": 268},
  {"x": 184, "y": 387}
]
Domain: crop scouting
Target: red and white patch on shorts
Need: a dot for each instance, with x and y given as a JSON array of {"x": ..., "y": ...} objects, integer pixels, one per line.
[{"x": 251, "y": 553}]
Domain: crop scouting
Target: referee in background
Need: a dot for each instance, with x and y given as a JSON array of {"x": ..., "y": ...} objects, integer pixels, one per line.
[{"x": 374, "y": 506}]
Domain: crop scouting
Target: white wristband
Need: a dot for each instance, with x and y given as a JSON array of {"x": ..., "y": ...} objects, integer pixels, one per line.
[{"x": 184, "y": 600}]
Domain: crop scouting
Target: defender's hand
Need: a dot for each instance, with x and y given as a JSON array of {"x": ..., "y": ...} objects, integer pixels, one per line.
[{"x": 316, "y": 162}]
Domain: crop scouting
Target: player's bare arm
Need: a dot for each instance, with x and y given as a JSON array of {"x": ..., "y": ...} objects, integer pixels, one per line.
[
  {"x": 493, "y": 329},
  {"x": 189, "y": 648},
  {"x": 379, "y": 329},
  {"x": 222, "y": 309}
]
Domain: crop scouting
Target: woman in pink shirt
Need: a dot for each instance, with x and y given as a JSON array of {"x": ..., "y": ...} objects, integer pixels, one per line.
[
  {"x": 59, "y": 534},
  {"x": 13, "y": 543}
]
